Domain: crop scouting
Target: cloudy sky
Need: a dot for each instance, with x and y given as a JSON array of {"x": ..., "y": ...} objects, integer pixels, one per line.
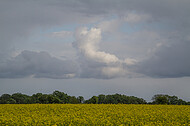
[{"x": 87, "y": 47}]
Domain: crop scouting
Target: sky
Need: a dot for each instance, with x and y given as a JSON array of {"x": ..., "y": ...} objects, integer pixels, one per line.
[{"x": 87, "y": 47}]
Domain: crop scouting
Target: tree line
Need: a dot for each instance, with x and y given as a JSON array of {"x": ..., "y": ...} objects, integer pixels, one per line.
[{"x": 58, "y": 97}]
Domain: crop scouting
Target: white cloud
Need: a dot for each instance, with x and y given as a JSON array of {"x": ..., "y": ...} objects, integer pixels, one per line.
[{"x": 87, "y": 44}]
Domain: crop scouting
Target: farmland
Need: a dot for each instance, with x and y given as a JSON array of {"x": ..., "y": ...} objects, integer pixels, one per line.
[{"x": 93, "y": 114}]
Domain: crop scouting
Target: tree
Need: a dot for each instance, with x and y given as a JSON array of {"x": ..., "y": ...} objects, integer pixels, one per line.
[
  {"x": 173, "y": 100},
  {"x": 60, "y": 97},
  {"x": 160, "y": 99},
  {"x": 44, "y": 99},
  {"x": 181, "y": 102},
  {"x": 52, "y": 99},
  {"x": 101, "y": 99},
  {"x": 35, "y": 97},
  {"x": 21, "y": 98},
  {"x": 73, "y": 100},
  {"x": 166, "y": 99},
  {"x": 117, "y": 98},
  {"x": 80, "y": 99},
  {"x": 64, "y": 98},
  {"x": 6, "y": 99},
  {"x": 109, "y": 99},
  {"x": 93, "y": 100},
  {"x": 135, "y": 100},
  {"x": 188, "y": 103}
]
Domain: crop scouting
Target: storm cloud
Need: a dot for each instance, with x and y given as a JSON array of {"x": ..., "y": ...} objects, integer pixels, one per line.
[
  {"x": 37, "y": 64},
  {"x": 167, "y": 62}
]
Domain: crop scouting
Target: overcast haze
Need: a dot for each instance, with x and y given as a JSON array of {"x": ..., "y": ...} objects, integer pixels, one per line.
[{"x": 86, "y": 47}]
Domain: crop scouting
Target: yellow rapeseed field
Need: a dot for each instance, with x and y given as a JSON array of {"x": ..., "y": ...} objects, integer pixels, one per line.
[{"x": 93, "y": 114}]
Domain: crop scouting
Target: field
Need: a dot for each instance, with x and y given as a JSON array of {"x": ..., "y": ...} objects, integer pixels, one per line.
[{"x": 93, "y": 114}]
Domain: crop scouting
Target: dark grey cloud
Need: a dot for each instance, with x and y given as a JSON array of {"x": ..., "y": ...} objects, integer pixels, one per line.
[
  {"x": 39, "y": 65},
  {"x": 168, "y": 61},
  {"x": 20, "y": 16}
]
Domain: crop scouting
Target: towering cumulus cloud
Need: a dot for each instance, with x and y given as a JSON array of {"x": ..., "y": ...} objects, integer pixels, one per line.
[
  {"x": 87, "y": 44},
  {"x": 94, "y": 63}
]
